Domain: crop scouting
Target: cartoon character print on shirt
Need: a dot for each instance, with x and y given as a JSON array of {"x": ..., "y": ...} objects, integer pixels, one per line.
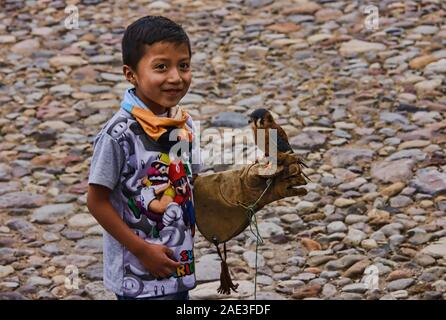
[
  {"x": 141, "y": 154},
  {"x": 157, "y": 179},
  {"x": 171, "y": 225},
  {"x": 137, "y": 148},
  {"x": 183, "y": 194}
]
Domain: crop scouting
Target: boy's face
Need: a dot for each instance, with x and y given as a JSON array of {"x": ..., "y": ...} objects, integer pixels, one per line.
[{"x": 163, "y": 75}]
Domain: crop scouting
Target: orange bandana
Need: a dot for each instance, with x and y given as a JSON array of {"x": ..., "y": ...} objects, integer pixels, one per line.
[{"x": 156, "y": 126}]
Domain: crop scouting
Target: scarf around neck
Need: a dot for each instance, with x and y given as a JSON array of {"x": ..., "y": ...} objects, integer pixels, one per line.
[{"x": 159, "y": 128}]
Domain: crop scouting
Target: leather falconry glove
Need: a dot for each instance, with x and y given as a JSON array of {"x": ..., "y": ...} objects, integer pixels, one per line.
[{"x": 222, "y": 200}]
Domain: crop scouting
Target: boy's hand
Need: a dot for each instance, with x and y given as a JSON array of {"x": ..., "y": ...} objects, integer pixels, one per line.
[{"x": 157, "y": 259}]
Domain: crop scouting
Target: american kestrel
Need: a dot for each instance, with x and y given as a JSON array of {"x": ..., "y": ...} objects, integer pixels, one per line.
[{"x": 263, "y": 119}]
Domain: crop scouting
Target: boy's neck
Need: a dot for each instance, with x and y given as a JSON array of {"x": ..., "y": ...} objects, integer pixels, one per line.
[{"x": 154, "y": 107}]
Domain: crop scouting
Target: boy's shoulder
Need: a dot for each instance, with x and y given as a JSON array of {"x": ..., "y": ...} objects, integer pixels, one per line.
[
  {"x": 190, "y": 121},
  {"x": 116, "y": 125}
]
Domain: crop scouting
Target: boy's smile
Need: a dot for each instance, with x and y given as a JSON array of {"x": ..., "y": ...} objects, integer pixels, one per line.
[{"x": 163, "y": 75}]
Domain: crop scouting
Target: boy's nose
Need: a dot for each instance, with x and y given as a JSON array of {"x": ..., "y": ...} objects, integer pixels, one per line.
[{"x": 174, "y": 76}]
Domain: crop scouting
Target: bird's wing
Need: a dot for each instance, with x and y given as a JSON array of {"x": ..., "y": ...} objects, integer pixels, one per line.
[
  {"x": 283, "y": 145},
  {"x": 282, "y": 139}
]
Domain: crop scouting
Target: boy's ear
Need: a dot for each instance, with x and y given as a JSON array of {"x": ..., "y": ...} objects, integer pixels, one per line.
[{"x": 129, "y": 74}]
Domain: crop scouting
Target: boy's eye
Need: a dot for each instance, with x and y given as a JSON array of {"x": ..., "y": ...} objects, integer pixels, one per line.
[
  {"x": 161, "y": 67},
  {"x": 184, "y": 66}
]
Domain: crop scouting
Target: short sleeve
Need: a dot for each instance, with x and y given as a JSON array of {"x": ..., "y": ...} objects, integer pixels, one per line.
[{"x": 107, "y": 162}]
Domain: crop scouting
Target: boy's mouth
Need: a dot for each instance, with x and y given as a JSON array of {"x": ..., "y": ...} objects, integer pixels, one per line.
[{"x": 172, "y": 93}]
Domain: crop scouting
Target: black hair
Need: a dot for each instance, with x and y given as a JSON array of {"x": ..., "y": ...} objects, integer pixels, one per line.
[{"x": 147, "y": 31}]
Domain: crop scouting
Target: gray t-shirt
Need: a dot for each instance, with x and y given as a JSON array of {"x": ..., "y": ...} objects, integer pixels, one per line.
[{"x": 123, "y": 155}]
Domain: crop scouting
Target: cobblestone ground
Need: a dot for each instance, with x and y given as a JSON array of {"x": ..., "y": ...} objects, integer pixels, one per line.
[{"x": 363, "y": 103}]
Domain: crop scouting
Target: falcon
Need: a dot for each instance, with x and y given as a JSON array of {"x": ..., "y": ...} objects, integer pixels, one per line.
[{"x": 263, "y": 119}]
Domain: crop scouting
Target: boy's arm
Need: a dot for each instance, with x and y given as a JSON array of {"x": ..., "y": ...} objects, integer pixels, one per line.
[{"x": 155, "y": 258}]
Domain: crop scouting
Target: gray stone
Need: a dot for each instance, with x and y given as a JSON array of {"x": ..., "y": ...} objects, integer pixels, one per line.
[
  {"x": 430, "y": 181},
  {"x": 251, "y": 102},
  {"x": 344, "y": 262},
  {"x": 390, "y": 117},
  {"x": 269, "y": 296},
  {"x": 72, "y": 234},
  {"x": 352, "y": 185},
  {"x": 355, "y": 218},
  {"x": 296, "y": 261},
  {"x": 191, "y": 98},
  {"x": 92, "y": 245},
  {"x": 355, "y": 288},
  {"x": 355, "y": 237},
  {"x": 230, "y": 119},
  {"x": 306, "y": 276},
  {"x": 21, "y": 199},
  {"x": 393, "y": 171},
  {"x": 269, "y": 229},
  {"x": 208, "y": 268},
  {"x": 38, "y": 281},
  {"x": 91, "y": 88},
  {"x": 336, "y": 226},
  {"x": 5, "y": 172},
  {"x": 354, "y": 46},
  {"x": 329, "y": 291},
  {"x": 250, "y": 258},
  {"x": 437, "y": 249},
  {"x": 103, "y": 58},
  {"x": 391, "y": 229},
  {"x": 8, "y": 187},
  {"x": 80, "y": 261},
  {"x": 414, "y": 154},
  {"x": 97, "y": 291},
  {"x": 305, "y": 207},
  {"x": 258, "y": 3},
  {"x": 308, "y": 140},
  {"x": 12, "y": 296},
  {"x": 52, "y": 249},
  {"x": 82, "y": 220},
  {"x": 425, "y": 29},
  {"x": 400, "y": 201},
  {"x": 52, "y": 213},
  {"x": 26, "y": 47},
  {"x": 21, "y": 225},
  {"x": 343, "y": 157},
  {"x": 436, "y": 67},
  {"x": 400, "y": 284}
]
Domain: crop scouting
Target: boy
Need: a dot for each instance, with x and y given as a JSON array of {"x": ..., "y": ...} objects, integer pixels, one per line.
[
  {"x": 149, "y": 227},
  {"x": 140, "y": 190}
]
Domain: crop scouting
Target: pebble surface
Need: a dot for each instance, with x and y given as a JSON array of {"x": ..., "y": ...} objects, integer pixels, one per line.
[{"x": 366, "y": 109}]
